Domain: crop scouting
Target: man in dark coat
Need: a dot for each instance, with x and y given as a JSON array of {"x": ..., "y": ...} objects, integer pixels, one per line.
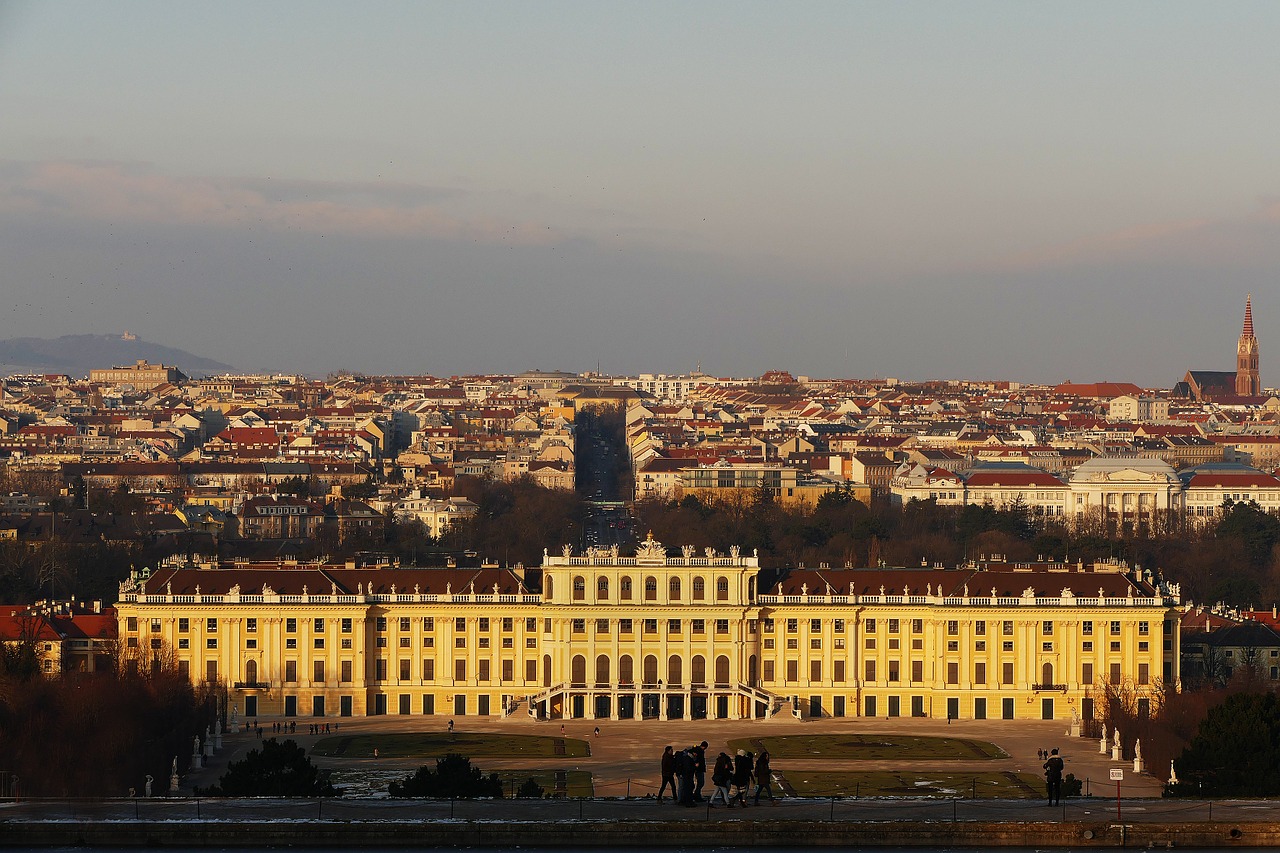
[
  {"x": 1053, "y": 777},
  {"x": 668, "y": 773},
  {"x": 699, "y": 770},
  {"x": 742, "y": 773}
]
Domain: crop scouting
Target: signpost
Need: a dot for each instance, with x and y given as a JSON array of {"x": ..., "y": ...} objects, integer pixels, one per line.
[{"x": 1117, "y": 773}]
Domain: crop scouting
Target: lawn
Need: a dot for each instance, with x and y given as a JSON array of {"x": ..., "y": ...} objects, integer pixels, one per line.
[
  {"x": 872, "y": 747},
  {"x": 431, "y": 745},
  {"x": 888, "y": 783}
]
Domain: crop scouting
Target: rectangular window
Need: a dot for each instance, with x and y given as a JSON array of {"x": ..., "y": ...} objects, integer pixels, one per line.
[
  {"x": 508, "y": 625},
  {"x": 1144, "y": 673},
  {"x": 980, "y": 628},
  {"x": 793, "y": 625},
  {"x": 211, "y": 643},
  {"x": 429, "y": 623},
  {"x": 979, "y": 673},
  {"x": 815, "y": 643},
  {"x": 917, "y": 626},
  {"x": 869, "y": 626},
  {"x": 768, "y": 642},
  {"x": 380, "y": 623},
  {"x": 1046, "y": 647},
  {"x": 483, "y": 673},
  {"x": 815, "y": 670},
  {"x": 793, "y": 671},
  {"x": 894, "y": 670},
  {"x": 673, "y": 626},
  {"x": 291, "y": 626},
  {"x": 894, "y": 626},
  {"x": 1088, "y": 646},
  {"x": 508, "y": 670},
  {"x": 291, "y": 643},
  {"x": 508, "y": 642},
  {"x": 428, "y": 669},
  {"x": 1086, "y": 628},
  {"x": 815, "y": 625},
  {"x": 317, "y": 671},
  {"x": 344, "y": 671},
  {"x": 699, "y": 626},
  {"x": 869, "y": 670},
  {"x": 319, "y": 642},
  {"x": 980, "y": 646},
  {"x": 484, "y": 624},
  {"x": 839, "y": 626},
  {"x": 953, "y": 672},
  {"x": 290, "y": 671},
  {"x": 459, "y": 624},
  {"x": 651, "y": 626},
  {"x": 380, "y": 669},
  {"x": 404, "y": 623},
  {"x": 1006, "y": 627},
  {"x": 530, "y": 671},
  {"x": 1006, "y": 646},
  {"x": 768, "y": 626},
  {"x": 1115, "y": 627},
  {"x": 625, "y": 626},
  {"x": 404, "y": 669},
  {"x": 346, "y": 625},
  {"x": 768, "y": 671},
  {"x": 210, "y": 625},
  {"x": 953, "y": 627},
  {"x": 405, "y": 642},
  {"x": 1144, "y": 628},
  {"x": 317, "y": 626},
  {"x": 459, "y": 670},
  {"x": 722, "y": 626},
  {"x": 793, "y": 643},
  {"x": 837, "y": 672},
  {"x": 250, "y": 626},
  {"x": 184, "y": 643},
  {"x": 1046, "y": 628},
  {"x": 953, "y": 645},
  {"x": 484, "y": 642},
  {"x": 184, "y": 625},
  {"x": 917, "y": 671},
  {"x": 870, "y": 642},
  {"x": 1086, "y": 674},
  {"x": 1115, "y": 674},
  {"x": 248, "y": 644},
  {"x": 1006, "y": 673}
]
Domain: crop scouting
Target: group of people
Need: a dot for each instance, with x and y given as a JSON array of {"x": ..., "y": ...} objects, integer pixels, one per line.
[{"x": 685, "y": 772}]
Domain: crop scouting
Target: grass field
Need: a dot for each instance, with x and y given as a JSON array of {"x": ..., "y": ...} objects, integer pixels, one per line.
[
  {"x": 432, "y": 745},
  {"x": 872, "y": 747},
  {"x": 886, "y": 783}
]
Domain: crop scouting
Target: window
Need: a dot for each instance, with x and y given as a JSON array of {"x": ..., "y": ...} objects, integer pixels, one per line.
[
  {"x": 508, "y": 625},
  {"x": 673, "y": 626},
  {"x": 699, "y": 589},
  {"x": 404, "y": 642},
  {"x": 210, "y": 625},
  {"x": 250, "y": 626},
  {"x": 1088, "y": 646},
  {"x": 674, "y": 589},
  {"x": 651, "y": 626},
  {"x": 602, "y": 626},
  {"x": 815, "y": 670},
  {"x": 769, "y": 643},
  {"x": 650, "y": 589},
  {"x": 404, "y": 669},
  {"x": 1115, "y": 627},
  {"x": 894, "y": 670},
  {"x": 625, "y": 589},
  {"x": 459, "y": 624},
  {"x": 579, "y": 626},
  {"x": 211, "y": 643},
  {"x": 1006, "y": 628},
  {"x": 429, "y": 623},
  {"x": 953, "y": 645},
  {"x": 131, "y": 624},
  {"x": 722, "y": 626},
  {"x": 484, "y": 642},
  {"x": 869, "y": 626},
  {"x": 917, "y": 626},
  {"x": 380, "y": 623},
  {"x": 980, "y": 646},
  {"x": 428, "y": 670},
  {"x": 870, "y": 642},
  {"x": 155, "y": 643},
  {"x": 291, "y": 643},
  {"x": 722, "y": 589},
  {"x": 319, "y": 642},
  {"x": 290, "y": 671},
  {"x": 483, "y": 674},
  {"x": 508, "y": 670},
  {"x": 893, "y": 626},
  {"x": 839, "y": 626},
  {"x": 624, "y": 626},
  {"x": 1086, "y": 628},
  {"x": 484, "y": 625},
  {"x": 1086, "y": 674},
  {"x": 346, "y": 625},
  {"x": 531, "y": 624},
  {"x": 917, "y": 670},
  {"x": 815, "y": 625},
  {"x": 579, "y": 588},
  {"x": 184, "y": 625},
  {"x": 793, "y": 625},
  {"x": 699, "y": 626},
  {"x": 404, "y": 623},
  {"x": 1006, "y": 646},
  {"x": 602, "y": 588},
  {"x": 317, "y": 671},
  {"x": 530, "y": 642},
  {"x": 291, "y": 626},
  {"x": 1046, "y": 628},
  {"x": 1006, "y": 672},
  {"x": 1114, "y": 674},
  {"x": 953, "y": 672},
  {"x": 953, "y": 627},
  {"x": 979, "y": 673},
  {"x": 1144, "y": 628},
  {"x": 1144, "y": 673},
  {"x": 458, "y": 642},
  {"x": 184, "y": 643},
  {"x": 793, "y": 643},
  {"x": 815, "y": 643},
  {"x": 980, "y": 628},
  {"x": 869, "y": 670},
  {"x": 1115, "y": 646},
  {"x": 768, "y": 626}
]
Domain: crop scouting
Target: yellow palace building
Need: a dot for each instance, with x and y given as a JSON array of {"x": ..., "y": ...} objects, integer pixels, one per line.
[{"x": 658, "y": 635}]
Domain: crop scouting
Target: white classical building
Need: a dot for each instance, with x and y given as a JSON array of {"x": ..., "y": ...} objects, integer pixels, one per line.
[{"x": 1125, "y": 488}]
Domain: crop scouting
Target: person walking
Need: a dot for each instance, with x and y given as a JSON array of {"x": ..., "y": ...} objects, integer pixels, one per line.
[
  {"x": 1053, "y": 778},
  {"x": 764, "y": 778},
  {"x": 699, "y": 770},
  {"x": 742, "y": 776},
  {"x": 668, "y": 774},
  {"x": 722, "y": 778},
  {"x": 684, "y": 775}
]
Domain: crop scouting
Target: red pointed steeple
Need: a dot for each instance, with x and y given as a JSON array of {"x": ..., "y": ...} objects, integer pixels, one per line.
[{"x": 1248, "y": 317}]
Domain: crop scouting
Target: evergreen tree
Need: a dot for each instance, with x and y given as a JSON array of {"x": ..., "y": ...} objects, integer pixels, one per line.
[
  {"x": 1236, "y": 752},
  {"x": 278, "y": 769},
  {"x": 453, "y": 777}
]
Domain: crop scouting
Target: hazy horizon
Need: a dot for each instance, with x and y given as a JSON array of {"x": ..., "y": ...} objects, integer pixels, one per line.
[{"x": 992, "y": 190}]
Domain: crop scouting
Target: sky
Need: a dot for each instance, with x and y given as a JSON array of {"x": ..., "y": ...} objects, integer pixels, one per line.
[{"x": 923, "y": 190}]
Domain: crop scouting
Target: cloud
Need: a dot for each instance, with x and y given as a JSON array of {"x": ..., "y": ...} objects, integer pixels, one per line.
[
  {"x": 1250, "y": 239},
  {"x": 114, "y": 192}
]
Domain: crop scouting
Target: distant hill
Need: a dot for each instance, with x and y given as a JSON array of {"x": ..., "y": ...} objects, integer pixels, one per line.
[{"x": 76, "y": 355}]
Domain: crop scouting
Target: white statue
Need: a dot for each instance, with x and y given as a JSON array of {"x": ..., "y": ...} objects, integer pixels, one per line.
[
  {"x": 234, "y": 590},
  {"x": 567, "y": 551},
  {"x": 147, "y": 787},
  {"x": 416, "y": 589},
  {"x": 393, "y": 589},
  {"x": 804, "y": 589},
  {"x": 448, "y": 588},
  {"x": 333, "y": 589},
  {"x": 304, "y": 589}
]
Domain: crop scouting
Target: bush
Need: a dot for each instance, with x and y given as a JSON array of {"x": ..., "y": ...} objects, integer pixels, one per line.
[
  {"x": 279, "y": 769},
  {"x": 1236, "y": 753},
  {"x": 1071, "y": 786},
  {"x": 453, "y": 777},
  {"x": 530, "y": 789}
]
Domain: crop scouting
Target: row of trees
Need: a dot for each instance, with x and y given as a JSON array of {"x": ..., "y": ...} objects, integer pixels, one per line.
[{"x": 96, "y": 734}]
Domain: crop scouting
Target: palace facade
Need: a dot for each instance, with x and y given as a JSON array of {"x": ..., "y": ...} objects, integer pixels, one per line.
[{"x": 661, "y": 636}]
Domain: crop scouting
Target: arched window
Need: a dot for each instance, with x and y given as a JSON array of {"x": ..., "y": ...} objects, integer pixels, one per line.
[
  {"x": 625, "y": 674},
  {"x": 753, "y": 671},
  {"x": 251, "y": 671},
  {"x": 751, "y": 590},
  {"x": 699, "y": 589},
  {"x": 546, "y": 670},
  {"x": 546, "y": 587},
  {"x": 579, "y": 671},
  {"x": 674, "y": 589},
  {"x": 602, "y": 670},
  {"x": 722, "y": 671},
  {"x": 625, "y": 588},
  {"x": 651, "y": 669},
  {"x": 673, "y": 671},
  {"x": 650, "y": 589},
  {"x": 1046, "y": 674},
  {"x": 722, "y": 589},
  {"x": 579, "y": 588},
  {"x": 602, "y": 588},
  {"x": 698, "y": 672}
]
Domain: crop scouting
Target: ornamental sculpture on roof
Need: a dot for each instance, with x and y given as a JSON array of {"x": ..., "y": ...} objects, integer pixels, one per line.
[{"x": 651, "y": 549}]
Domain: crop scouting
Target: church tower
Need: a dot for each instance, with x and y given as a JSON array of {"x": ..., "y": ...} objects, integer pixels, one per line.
[{"x": 1247, "y": 382}]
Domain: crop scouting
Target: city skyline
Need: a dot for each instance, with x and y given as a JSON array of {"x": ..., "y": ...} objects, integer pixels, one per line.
[{"x": 994, "y": 192}]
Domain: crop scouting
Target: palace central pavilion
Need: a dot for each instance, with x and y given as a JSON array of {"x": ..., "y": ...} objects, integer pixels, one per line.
[{"x": 657, "y": 636}]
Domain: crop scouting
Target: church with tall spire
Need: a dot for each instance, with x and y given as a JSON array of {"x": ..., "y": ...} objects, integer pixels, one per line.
[{"x": 1247, "y": 382}]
